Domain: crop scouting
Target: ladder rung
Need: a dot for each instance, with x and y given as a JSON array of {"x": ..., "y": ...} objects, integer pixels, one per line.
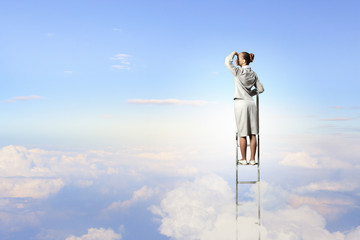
[
  {"x": 247, "y": 182},
  {"x": 247, "y": 204},
  {"x": 247, "y": 164}
]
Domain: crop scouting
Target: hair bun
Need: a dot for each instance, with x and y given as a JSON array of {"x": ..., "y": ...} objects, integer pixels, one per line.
[{"x": 252, "y": 56}]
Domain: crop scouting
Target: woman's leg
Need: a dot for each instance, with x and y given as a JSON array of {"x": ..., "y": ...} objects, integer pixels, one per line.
[
  {"x": 253, "y": 145},
  {"x": 243, "y": 146}
]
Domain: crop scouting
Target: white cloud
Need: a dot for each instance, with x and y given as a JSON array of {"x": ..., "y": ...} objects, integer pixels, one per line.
[
  {"x": 329, "y": 207},
  {"x": 301, "y": 223},
  {"x": 323, "y": 152},
  {"x": 306, "y": 160},
  {"x": 83, "y": 168},
  {"x": 24, "y": 98},
  {"x": 140, "y": 195},
  {"x": 29, "y": 188},
  {"x": 30, "y": 174},
  {"x": 164, "y": 161},
  {"x": 193, "y": 208},
  {"x": 68, "y": 72},
  {"x": 168, "y": 101},
  {"x": 353, "y": 235},
  {"x": 300, "y": 159},
  {"x": 16, "y": 161},
  {"x": 36, "y": 173},
  {"x": 97, "y": 234},
  {"x": 272, "y": 197},
  {"x": 204, "y": 209}
]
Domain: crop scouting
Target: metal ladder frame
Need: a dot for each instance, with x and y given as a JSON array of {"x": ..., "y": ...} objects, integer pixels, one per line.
[{"x": 249, "y": 182}]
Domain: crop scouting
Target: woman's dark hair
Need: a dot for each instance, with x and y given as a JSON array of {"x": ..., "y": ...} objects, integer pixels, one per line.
[{"x": 249, "y": 57}]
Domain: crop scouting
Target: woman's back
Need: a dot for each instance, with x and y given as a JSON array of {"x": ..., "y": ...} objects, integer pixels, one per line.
[{"x": 244, "y": 79}]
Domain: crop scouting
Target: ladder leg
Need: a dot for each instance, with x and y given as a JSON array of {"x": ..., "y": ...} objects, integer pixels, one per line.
[
  {"x": 258, "y": 166},
  {"x": 237, "y": 190}
]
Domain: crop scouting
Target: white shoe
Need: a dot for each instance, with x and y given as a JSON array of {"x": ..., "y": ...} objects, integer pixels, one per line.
[
  {"x": 252, "y": 162},
  {"x": 242, "y": 162}
]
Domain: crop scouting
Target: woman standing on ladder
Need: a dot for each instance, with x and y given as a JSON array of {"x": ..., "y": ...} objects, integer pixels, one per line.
[{"x": 247, "y": 85}]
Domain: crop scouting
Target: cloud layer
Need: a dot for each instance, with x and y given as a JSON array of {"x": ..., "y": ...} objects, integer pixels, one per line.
[
  {"x": 198, "y": 209},
  {"x": 204, "y": 209}
]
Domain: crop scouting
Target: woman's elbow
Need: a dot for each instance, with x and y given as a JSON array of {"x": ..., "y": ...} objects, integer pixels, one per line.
[{"x": 227, "y": 61}]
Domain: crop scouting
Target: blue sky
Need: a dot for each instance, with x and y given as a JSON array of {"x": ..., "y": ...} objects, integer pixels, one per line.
[{"x": 116, "y": 113}]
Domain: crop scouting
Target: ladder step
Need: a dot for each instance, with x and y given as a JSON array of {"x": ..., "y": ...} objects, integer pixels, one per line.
[
  {"x": 247, "y": 164},
  {"x": 247, "y": 204},
  {"x": 247, "y": 182},
  {"x": 257, "y": 223}
]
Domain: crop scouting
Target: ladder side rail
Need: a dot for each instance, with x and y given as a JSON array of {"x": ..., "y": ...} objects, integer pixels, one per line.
[
  {"x": 258, "y": 166},
  {"x": 258, "y": 126},
  {"x": 237, "y": 186}
]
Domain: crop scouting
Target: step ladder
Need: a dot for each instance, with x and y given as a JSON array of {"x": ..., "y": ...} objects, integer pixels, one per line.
[{"x": 251, "y": 181}]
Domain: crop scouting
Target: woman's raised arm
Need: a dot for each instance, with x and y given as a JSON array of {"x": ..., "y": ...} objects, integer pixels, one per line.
[{"x": 229, "y": 63}]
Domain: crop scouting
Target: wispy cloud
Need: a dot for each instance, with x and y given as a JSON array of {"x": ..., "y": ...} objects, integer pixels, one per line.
[
  {"x": 337, "y": 119},
  {"x": 68, "y": 72},
  {"x": 123, "y": 67},
  {"x": 160, "y": 155},
  {"x": 306, "y": 160},
  {"x": 168, "y": 101},
  {"x": 106, "y": 116},
  {"x": 123, "y": 59},
  {"x": 343, "y": 107},
  {"x": 24, "y": 98},
  {"x": 328, "y": 186}
]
